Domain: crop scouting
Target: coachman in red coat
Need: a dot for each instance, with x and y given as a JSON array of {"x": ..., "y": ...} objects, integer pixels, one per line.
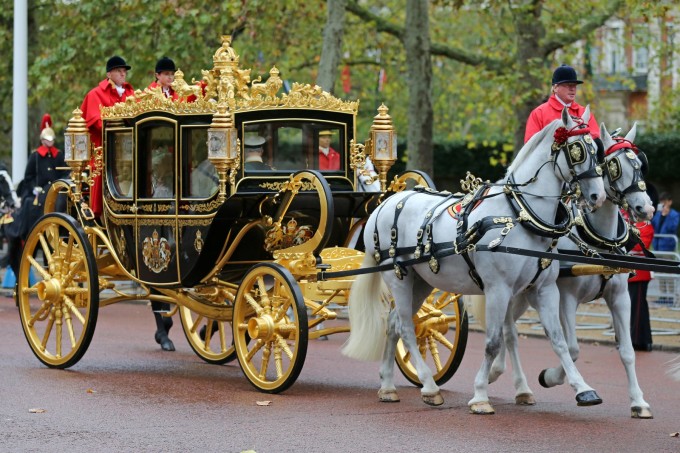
[
  {"x": 108, "y": 92},
  {"x": 564, "y": 85}
]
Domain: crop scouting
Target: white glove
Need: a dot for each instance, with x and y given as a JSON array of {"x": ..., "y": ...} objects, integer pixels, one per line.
[{"x": 37, "y": 191}]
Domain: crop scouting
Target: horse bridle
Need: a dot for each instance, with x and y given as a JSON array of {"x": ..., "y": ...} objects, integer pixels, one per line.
[
  {"x": 612, "y": 163},
  {"x": 577, "y": 152}
]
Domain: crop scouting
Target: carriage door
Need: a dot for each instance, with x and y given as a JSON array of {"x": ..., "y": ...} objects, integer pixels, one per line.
[{"x": 156, "y": 200}]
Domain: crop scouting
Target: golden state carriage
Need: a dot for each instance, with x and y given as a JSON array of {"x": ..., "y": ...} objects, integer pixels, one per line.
[{"x": 239, "y": 252}]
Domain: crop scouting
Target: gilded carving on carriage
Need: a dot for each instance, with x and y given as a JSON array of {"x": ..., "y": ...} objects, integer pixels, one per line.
[
  {"x": 122, "y": 245},
  {"x": 120, "y": 207},
  {"x": 269, "y": 88},
  {"x": 122, "y": 220},
  {"x": 284, "y": 185},
  {"x": 279, "y": 237},
  {"x": 156, "y": 252},
  {"x": 198, "y": 241},
  {"x": 202, "y": 207}
]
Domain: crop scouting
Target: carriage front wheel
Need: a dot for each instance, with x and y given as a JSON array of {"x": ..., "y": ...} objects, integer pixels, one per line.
[
  {"x": 59, "y": 312},
  {"x": 441, "y": 332},
  {"x": 270, "y": 327}
]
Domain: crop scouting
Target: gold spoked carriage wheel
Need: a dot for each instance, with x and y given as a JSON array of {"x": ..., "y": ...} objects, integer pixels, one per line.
[
  {"x": 211, "y": 339},
  {"x": 58, "y": 313},
  {"x": 270, "y": 327},
  {"x": 441, "y": 330}
]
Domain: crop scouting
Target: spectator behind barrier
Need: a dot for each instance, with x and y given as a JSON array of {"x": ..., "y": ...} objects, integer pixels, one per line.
[{"x": 665, "y": 221}]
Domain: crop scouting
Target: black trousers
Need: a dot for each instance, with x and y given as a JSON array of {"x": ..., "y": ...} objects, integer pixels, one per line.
[{"x": 640, "y": 328}]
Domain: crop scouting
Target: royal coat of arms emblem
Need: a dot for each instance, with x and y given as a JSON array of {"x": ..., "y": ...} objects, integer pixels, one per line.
[{"x": 156, "y": 252}]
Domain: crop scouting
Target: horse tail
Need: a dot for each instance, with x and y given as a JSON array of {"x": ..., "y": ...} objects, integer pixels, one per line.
[
  {"x": 368, "y": 307},
  {"x": 674, "y": 369}
]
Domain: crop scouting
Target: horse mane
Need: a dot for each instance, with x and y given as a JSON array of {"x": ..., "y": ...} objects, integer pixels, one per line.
[{"x": 532, "y": 144}]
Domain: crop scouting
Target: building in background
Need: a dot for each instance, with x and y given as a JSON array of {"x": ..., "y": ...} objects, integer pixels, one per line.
[{"x": 633, "y": 65}]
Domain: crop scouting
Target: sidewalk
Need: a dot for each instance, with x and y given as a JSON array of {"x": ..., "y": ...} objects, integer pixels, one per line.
[{"x": 594, "y": 324}]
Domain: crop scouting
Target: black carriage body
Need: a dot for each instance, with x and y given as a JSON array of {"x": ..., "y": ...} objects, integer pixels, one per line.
[{"x": 164, "y": 215}]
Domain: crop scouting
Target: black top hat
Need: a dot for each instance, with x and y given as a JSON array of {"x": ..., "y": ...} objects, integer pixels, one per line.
[
  {"x": 165, "y": 64},
  {"x": 116, "y": 62},
  {"x": 565, "y": 74}
]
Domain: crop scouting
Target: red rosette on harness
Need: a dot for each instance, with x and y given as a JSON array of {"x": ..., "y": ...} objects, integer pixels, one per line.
[{"x": 562, "y": 134}]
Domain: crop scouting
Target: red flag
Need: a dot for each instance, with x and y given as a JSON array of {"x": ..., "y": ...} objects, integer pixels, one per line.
[
  {"x": 346, "y": 80},
  {"x": 382, "y": 79}
]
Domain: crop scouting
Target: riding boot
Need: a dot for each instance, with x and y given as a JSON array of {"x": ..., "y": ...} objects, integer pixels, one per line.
[{"x": 163, "y": 325}]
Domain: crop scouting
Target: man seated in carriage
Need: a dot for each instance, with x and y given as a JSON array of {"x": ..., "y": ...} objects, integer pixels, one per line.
[
  {"x": 253, "y": 150},
  {"x": 329, "y": 159}
]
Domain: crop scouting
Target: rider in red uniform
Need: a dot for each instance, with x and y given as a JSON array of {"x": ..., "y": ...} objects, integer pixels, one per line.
[
  {"x": 165, "y": 75},
  {"x": 109, "y": 91},
  {"x": 564, "y": 84}
]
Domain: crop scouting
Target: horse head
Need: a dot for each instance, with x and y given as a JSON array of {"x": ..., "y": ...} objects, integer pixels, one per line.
[
  {"x": 625, "y": 168},
  {"x": 574, "y": 155}
]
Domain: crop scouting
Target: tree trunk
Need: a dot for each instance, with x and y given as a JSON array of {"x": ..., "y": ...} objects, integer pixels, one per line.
[
  {"x": 420, "y": 114},
  {"x": 531, "y": 88},
  {"x": 331, "y": 51}
]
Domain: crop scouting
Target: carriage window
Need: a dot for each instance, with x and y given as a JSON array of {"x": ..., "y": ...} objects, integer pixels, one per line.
[
  {"x": 156, "y": 159},
  {"x": 203, "y": 181},
  {"x": 121, "y": 166},
  {"x": 293, "y": 145}
]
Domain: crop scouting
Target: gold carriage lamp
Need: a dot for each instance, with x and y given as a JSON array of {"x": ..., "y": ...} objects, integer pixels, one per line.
[
  {"x": 223, "y": 147},
  {"x": 76, "y": 148},
  {"x": 383, "y": 144}
]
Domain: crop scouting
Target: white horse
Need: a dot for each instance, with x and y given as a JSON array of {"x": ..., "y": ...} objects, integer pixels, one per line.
[
  {"x": 563, "y": 152},
  {"x": 605, "y": 231}
]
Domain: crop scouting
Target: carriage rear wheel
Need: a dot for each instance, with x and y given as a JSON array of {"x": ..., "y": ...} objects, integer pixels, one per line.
[
  {"x": 59, "y": 312},
  {"x": 211, "y": 339},
  {"x": 441, "y": 332},
  {"x": 270, "y": 327}
]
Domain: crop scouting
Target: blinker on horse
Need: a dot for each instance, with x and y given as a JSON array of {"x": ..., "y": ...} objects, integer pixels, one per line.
[{"x": 449, "y": 256}]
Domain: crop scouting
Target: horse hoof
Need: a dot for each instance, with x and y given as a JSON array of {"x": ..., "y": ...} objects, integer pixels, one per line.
[
  {"x": 541, "y": 380},
  {"x": 588, "y": 398},
  {"x": 525, "y": 399},
  {"x": 640, "y": 412},
  {"x": 482, "y": 408},
  {"x": 388, "y": 396},
  {"x": 433, "y": 399}
]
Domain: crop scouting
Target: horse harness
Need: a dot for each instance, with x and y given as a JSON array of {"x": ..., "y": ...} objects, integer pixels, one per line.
[{"x": 576, "y": 152}]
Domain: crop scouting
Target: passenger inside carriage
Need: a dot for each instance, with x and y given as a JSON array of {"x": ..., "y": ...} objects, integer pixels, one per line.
[
  {"x": 253, "y": 150},
  {"x": 329, "y": 159},
  {"x": 162, "y": 173},
  {"x": 204, "y": 180}
]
